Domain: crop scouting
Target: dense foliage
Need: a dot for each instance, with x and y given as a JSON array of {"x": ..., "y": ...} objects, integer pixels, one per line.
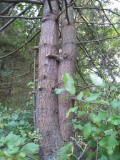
[
  {"x": 17, "y": 135},
  {"x": 96, "y": 122}
]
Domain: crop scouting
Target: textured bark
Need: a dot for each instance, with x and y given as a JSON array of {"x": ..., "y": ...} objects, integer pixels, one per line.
[
  {"x": 47, "y": 103},
  {"x": 69, "y": 49}
]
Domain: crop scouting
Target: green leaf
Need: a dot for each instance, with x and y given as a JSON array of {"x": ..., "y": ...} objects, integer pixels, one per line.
[
  {"x": 112, "y": 143},
  {"x": 65, "y": 151},
  {"x": 2, "y": 141},
  {"x": 116, "y": 154},
  {"x": 87, "y": 130},
  {"x": 12, "y": 151},
  {"x": 69, "y": 83},
  {"x": 77, "y": 126},
  {"x": 21, "y": 122},
  {"x": 102, "y": 101},
  {"x": 104, "y": 142},
  {"x": 93, "y": 97},
  {"x": 13, "y": 140},
  {"x": 59, "y": 90},
  {"x": 92, "y": 142},
  {"x": 115, "y": 104},
  {"x": 98, "y": 81},
  {"x": 73, "y": 109},
  {"x": 109, "y": 142},
  {"x": 81, "y": 113},
  {"x": 22, "y": 154},
  {"x": 108, "y": 132},
  {"x": 79, "y": 96},
  {"x": 113, "y": 119},
  {"x": 2, "y": 153},
  {"x": 30, "y": 148},
  {"x": 102, "y": 128},
  {"x": 12, "y": 123},
  {"x": 15, "y": 117},
  {"x": 96, "y": 118},
  {"x": 103, "y": 158},
  {"x": 86, "y": 106}
]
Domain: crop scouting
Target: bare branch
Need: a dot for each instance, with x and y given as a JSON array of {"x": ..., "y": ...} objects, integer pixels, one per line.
[
  {"x": 91, "y": 41},
  {"x": 25, "y": 1},
  {"x": 76, "y": 148},
  {"x": 7, "y": 9},
  {"x": 21, "y": 45},
  {"x": 30, "y": 157},
  {"x": 78, "y": 156},
  {"x": 21, "y": 17},
  {"x": 66, "y": 11},
  {"x": 65, "y": 8},
  {"x": 89, "y": 27},
  {"x": 103, "y": 9},
  {"x": 12, "y": 20},
  {"x": 50, "y": 6},
  {"x": 98, "y": 23},
  {"x": 107, "y": 17}
]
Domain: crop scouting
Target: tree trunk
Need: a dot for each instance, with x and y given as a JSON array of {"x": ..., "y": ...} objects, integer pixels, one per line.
[
  {"x": 47, "y": 103},
  {"x": 69, "y": 50}
]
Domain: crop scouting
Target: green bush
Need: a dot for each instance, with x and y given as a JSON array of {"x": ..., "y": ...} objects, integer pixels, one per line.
[
  {"x": 97, "y": 121},
  {"x": 17, "y": 136}
]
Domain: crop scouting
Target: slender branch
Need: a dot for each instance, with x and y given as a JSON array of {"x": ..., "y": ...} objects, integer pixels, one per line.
[
  {"x": 97, "y": 150},
  {"x": 79, "y": 72},
  {"x": 30, "y": 157},
  {"x": 90, "y": 41},
  {"x": 76, "y": 148},
  {"x": 107, "y": 17},
  {"x": 83, "y": 18},
  {"x": 78, "y": 156},
  {"x": 97, "y": 9},
  {"x": 25, "y": 1},
  {"x": 83, "y": 151},
  {"x": 21, "y": 45},
  {"x": 50, "y": 6},
  {"x": 66, "y": 11},
  {"x": 98, "y": 23},
  {"x": 12, "y": 20},
  {"x": 21, "y": 17},
  {"x": 7, "y": 9},
  {"x": 23, "y": 74},
  {"x": 88, "y": 55}
]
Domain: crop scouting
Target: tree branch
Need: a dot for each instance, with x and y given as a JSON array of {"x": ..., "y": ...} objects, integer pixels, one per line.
[
  {"x": 75, "y": 148},
  {"x": 108, "y": 18},
  {"x": 98, "y": 9},
  {"x": 12, "y": 20},
  {"x": 25, "y": 1},
  {"x": 30, "y": 157},
  {"x": 89, "y": 27},
  {"x": 66, "y": 11},
  {"x": 50, "y": 6},
  {"x": 98, "y": 23},
  {"x": 90, "y": 41},
  {"x": 78, "y": 156},
  {"x": 21, "y": 45},
  {"x": 7, "y": 9},
  {"x": 21, "y": 17}
]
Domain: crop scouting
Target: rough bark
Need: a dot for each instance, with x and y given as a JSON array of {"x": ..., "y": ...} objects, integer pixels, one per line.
[
  {"x": 47, "y": 103},
  {"x": 69, "y": 49}
]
